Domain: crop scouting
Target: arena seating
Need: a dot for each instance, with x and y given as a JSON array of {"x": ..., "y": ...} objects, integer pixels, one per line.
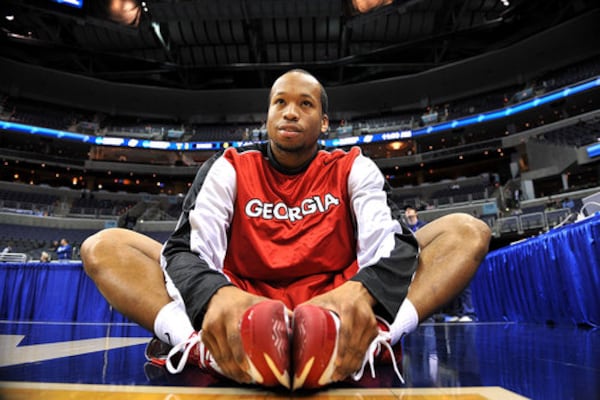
[
  {"x": 16, "y": 199},
  {"x": 32, "y": 240},
  {"x": 577, "y": 135},
  {"x": 52, "y": 116},
  {"x": 447, "y": 195}
]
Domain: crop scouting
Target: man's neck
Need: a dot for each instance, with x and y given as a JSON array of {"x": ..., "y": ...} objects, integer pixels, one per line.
[{"x": 290, "y": 168}]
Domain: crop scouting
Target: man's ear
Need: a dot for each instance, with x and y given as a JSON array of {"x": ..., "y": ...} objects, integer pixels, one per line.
[{"x": 324, "y": 123}]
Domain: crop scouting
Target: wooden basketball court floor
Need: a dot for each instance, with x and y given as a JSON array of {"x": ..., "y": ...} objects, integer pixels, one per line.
[{"x": 459, "y": 361}]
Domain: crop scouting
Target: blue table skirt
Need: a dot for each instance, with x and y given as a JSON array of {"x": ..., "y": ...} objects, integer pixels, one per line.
[
  {"x": 53, "y": 292},
  {"x": 551, "y": 278},
  {"x": 554, "y": 277}
]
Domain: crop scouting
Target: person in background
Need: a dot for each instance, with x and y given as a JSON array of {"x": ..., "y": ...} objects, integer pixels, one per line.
[
  {"x": 7, "y": 249},
  {"x": 54, "y": 246},
  {"x": 412, "y": 218},
  {"x": 45, "y": 257},
  {"x": 568, "y": 203},
  {"x": 64, "y": 250}
]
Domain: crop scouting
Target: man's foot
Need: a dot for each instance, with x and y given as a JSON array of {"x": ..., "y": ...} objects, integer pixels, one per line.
[
  {"x": 376, "y": 352},
  {"x": 265, "y": 330},
  {"x": 191, "y": 351},
  {"x": 156, "y": 351},
  {"x": 315, "y": 340}
]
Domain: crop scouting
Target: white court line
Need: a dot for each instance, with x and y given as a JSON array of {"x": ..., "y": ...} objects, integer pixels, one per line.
[
  {"x": 13, "y": 354},
  {"x": 20, "y": 322}
]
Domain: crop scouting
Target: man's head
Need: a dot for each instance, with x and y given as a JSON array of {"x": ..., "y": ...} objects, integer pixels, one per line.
[
  {"x": 323, "y": 96},
  {"x": 297, "y": 116},
  {"x": 411, "y": 215},
  {"x": 45, "y": 256}
]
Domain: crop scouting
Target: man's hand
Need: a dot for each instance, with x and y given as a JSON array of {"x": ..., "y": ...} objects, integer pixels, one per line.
[
  {"x": 221, "y": 330},
  {"x": 358, "y": 327}
]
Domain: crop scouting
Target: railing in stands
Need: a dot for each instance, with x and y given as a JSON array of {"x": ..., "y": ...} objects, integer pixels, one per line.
[{"x": 13, "y": 257}]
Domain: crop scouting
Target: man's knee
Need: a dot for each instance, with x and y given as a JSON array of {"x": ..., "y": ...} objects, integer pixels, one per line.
[
  {"x": 466, "y": 230},
  {"x": 94, "y": 247},
  {"x": 470, "y": 230}
]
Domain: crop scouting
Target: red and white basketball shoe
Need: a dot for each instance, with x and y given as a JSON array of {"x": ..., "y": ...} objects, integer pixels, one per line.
[
  {"x": 191, "y": 351},
  {"x": 315, "y": 343},
  {"x": 314, "y": 346},
  {"x": 156, "y": 351},
  {"x": 264, "y": 329},
  {"x": 375, "y": 352}
]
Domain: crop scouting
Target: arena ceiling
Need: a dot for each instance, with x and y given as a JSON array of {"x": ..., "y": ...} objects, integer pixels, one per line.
[{"x": 204, "y": 44}]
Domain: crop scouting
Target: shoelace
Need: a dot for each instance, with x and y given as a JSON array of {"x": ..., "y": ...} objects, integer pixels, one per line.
[
  {"x": 187, "y": 346},
  {"x": 382, "y": 339}
]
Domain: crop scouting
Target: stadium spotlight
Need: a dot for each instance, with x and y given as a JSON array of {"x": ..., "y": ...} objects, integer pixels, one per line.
[
  {"x": 126, "y": 12},
  {"x": 364, "y": 6}
]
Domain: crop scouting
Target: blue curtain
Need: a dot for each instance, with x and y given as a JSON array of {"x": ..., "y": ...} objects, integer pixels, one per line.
[
  {"x": 539, "y": 362},
  {"x": 53, "y": 292},
  {"x": 552, "y": 278}
]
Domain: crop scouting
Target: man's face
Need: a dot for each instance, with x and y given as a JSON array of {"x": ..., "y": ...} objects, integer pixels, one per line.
[
  {"x": 295, "y": 119},
  {"x": 411, "y": 215}
]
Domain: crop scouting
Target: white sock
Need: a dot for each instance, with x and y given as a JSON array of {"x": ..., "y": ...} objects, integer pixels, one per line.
[
  {"x": 405, "y": 322},
  {"x": 172, "y": 324}
]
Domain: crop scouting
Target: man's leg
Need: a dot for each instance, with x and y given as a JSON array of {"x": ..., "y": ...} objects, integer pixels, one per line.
[
  {"x": 125, "y": 267},
  {"x": 452, "y": 247},
  {"x": 467, "y": 310}
]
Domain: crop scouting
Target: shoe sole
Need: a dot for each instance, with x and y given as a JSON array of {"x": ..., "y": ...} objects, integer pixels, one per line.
[
  {"x": 315, "y": 341},
  {"x": 156, "y": 351},
  {"x": 265, "y": 337}
]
